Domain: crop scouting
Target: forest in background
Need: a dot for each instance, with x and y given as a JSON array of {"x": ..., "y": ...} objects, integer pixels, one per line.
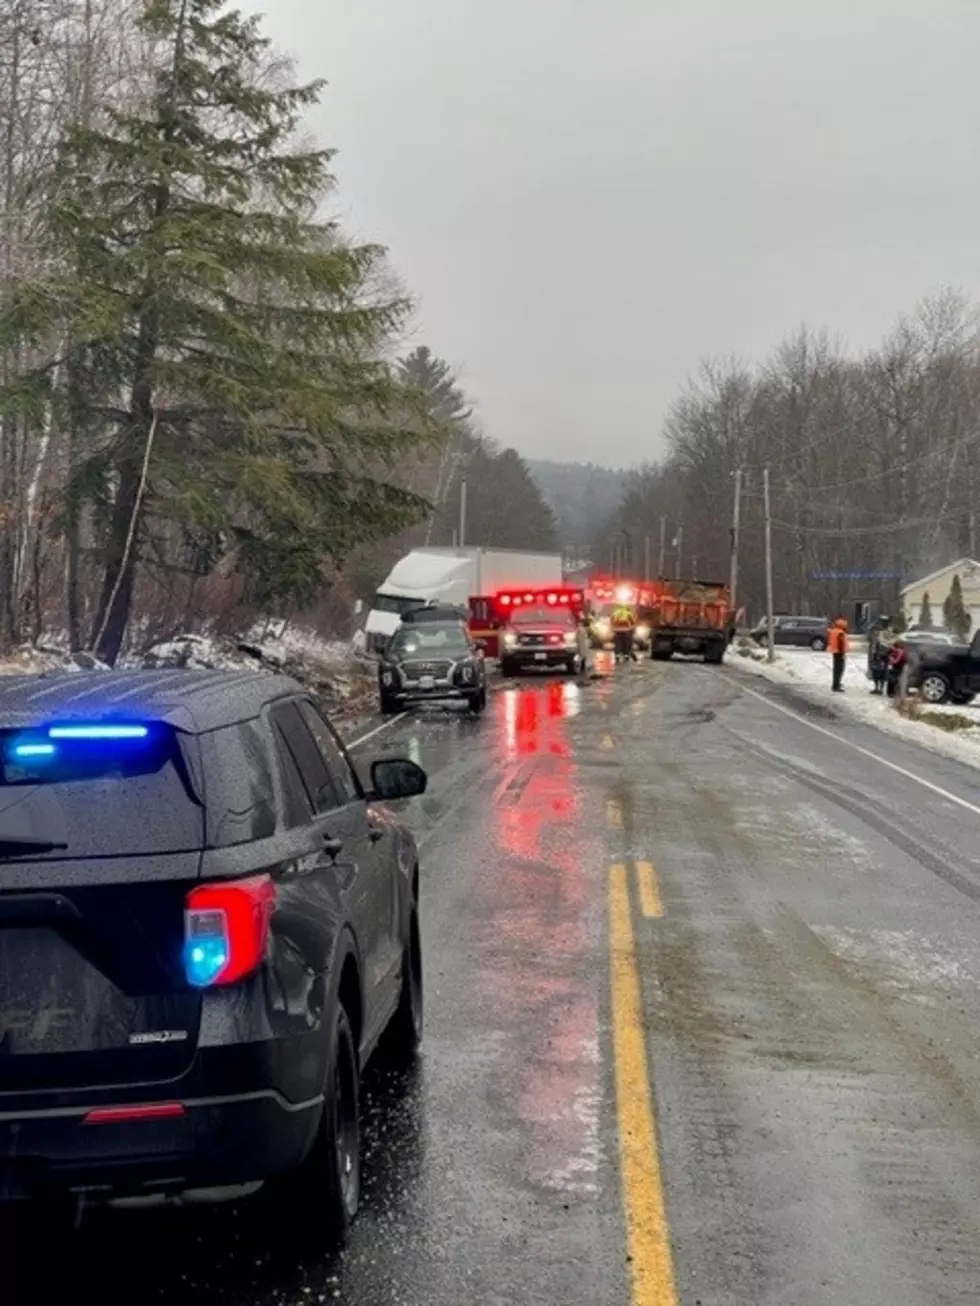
[
  {"x": 874, "y": 464},
  {"x": 207, "y": 409}
]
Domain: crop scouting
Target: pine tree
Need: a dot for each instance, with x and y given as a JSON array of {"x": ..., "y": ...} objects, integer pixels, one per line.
[
  {"x": 227, "y": 360},
  {"x": 925, "y": 614},
  {"x": 955, "y": 616}
]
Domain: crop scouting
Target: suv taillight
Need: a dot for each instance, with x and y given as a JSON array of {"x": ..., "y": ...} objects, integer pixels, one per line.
[{"x": 226, "y": 928}]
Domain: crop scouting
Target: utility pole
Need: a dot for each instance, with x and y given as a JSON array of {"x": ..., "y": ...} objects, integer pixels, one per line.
[
  {"x": 646, "y": 557},
  {"x": 770, "y": 620},
  {"x": 663, "y": 547},
  {"x": 462, "y": 513},
  {"x": 736, "y": 521},
  {"x": 679, "y": 542}
]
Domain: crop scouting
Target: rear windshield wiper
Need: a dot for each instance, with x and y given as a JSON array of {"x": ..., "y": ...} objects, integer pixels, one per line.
[{"x": 14, "y": 845}]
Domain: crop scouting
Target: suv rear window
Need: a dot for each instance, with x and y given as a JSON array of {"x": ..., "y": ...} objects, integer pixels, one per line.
[{"x": 98, "y": 797}]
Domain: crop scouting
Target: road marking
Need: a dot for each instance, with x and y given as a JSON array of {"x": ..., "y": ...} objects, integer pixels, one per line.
[
  {"x": 614, "y": 813},
  {"x": 651, "y": 903},
  {"x": 362, "y": 739},
  {"x": 857, "y": 748},
  {"x": 644, "y": 1202},
  {"x": 608, "y": 743}
]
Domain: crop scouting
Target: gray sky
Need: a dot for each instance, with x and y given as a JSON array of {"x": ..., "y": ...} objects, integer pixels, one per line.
[{"x": 588, "y": 196}]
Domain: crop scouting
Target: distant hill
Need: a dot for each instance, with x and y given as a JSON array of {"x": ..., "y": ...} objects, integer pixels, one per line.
[{"x": 582, "y": 496}]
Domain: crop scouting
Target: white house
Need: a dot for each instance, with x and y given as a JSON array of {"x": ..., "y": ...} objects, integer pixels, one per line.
[{"x": 937, "y": 585}]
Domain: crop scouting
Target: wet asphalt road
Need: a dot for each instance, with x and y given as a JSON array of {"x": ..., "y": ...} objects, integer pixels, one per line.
[{"x": 808, "y": 1016}]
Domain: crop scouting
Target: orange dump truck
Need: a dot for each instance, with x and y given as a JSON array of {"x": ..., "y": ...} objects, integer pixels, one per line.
[{"x": 689, "y": 616}]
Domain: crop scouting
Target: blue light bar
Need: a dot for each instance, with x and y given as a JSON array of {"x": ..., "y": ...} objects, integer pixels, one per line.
[
  {"x": 34, "y": 750},
  {"x": 98, "y": 732}
]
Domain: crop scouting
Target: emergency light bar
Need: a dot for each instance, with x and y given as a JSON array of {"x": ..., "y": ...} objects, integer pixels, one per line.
[{"x": 553, "y": 598}]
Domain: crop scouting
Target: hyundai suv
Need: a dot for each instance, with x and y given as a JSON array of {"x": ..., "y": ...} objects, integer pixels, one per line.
[{"x": 207, "y": 925}]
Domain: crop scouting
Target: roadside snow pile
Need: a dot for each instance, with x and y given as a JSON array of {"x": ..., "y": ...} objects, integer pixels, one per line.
[
  {"x": 34, "y": 660},
  {"x": 951, "y": 730},
  {"x": 345, "y": 684}
]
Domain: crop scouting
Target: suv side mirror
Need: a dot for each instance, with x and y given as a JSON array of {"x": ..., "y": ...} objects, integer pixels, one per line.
[{"x": 397, "y": 777}]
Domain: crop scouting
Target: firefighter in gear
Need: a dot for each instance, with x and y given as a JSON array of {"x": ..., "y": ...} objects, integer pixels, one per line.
[
  {"x": 838, "y": 651},
  {"x": 624, "y": 631}
]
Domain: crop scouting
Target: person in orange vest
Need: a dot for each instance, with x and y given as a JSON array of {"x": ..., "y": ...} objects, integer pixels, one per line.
[{"x": 837, "y": 644}]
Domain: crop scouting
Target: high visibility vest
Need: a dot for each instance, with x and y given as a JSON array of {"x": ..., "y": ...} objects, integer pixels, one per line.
[{"x": 623, "y": 619}]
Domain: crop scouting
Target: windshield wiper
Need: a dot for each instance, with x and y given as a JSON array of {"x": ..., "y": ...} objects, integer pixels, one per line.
[{"x": 14, "y": 844}]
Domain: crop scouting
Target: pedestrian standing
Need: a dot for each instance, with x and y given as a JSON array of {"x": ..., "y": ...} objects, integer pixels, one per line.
[{"x": 838, "y": 651}]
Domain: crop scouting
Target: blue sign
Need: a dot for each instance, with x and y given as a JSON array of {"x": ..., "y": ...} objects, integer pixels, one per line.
[{"x": 855, "y": 576}]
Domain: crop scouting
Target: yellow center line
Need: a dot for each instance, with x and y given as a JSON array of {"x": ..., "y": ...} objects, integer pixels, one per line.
[
  {"x": 644, "y": 1202},
  {"x": 651, "y": 903}
]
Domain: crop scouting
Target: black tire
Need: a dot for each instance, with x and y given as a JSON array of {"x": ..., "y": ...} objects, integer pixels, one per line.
[
  {"x": 508, "y": 667},
  {"x": 389, "y": 704},
  {"x": 661, "y": 655},
  {"x": 963, "y": 700},
  {"x": 818, "y": 644},
  {"x": 934, "y": 688},
  {"x": 477, "y": 702},
  {"x": 572, "y": 666},
  {"x": 403, "y": 1037},
  {"x": 315, "y": 1206},
  {"x": 714, "y": 656}
]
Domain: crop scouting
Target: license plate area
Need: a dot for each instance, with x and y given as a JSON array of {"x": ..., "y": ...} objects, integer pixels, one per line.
[
  {"x": 63, "y": 1022},
  {"x": 541, "y": 657},
  {"x": 427, "y": 682}
]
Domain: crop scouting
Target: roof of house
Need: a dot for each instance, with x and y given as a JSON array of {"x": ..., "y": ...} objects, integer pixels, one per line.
[{"x": 961, "y": 564}]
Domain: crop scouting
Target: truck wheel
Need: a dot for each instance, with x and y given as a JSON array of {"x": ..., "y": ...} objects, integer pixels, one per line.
[
  {"x": 818, "y": 645},
  {"x": 661, "y": 655},
  {"x": 508, "y": 667},
  {"x": 934, "y": 688},
  {"x": 963, "y": 699},
  {"x": 389, "y": 704},
  {"x": 714, "y": 656}
]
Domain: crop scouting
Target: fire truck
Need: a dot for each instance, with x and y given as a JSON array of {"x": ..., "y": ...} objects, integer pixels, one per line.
[
  {"x": 604, "y": 595},
  {"x": 529, "y": 627}
]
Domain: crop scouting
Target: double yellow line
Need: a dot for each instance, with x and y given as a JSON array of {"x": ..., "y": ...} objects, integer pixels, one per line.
[{"x": 647, "y": 1233}]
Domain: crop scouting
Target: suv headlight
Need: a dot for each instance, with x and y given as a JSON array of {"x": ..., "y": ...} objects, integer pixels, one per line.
[
  {"x": 643, "y": 632},
  {"x": 571, "y": 639},
  {"x": 510, "y": 639}
]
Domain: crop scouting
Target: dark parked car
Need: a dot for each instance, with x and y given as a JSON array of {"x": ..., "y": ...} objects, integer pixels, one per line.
[
  {"x": 941, "y": 670},
  {"x": 205, "y": 930},
  {"x": 432, "y": 663},
  {"x": 797, "y": 632}
]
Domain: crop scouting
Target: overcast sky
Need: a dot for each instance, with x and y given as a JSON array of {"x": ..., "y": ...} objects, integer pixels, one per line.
[{"x": 588, "y": 196}]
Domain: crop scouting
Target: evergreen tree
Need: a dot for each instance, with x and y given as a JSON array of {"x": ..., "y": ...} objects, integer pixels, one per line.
[
  {"x": 226, "y": 361},
  {"x": 925, "y": 614},
  {"x": 955, "y": 616}
]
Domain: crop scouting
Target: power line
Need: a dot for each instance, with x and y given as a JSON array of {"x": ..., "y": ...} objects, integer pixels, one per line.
[{"x": 851, "y": 531}]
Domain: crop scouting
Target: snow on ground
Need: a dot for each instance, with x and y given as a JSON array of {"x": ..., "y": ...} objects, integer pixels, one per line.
[
  {"x": 809, "y": 674},
  {"x": 345, "y": 683}
]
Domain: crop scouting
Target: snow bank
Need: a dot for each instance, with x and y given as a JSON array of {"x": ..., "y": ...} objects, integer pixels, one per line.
[
  {"x": 346, "y": 684},
  {"x": 809, "y": 673}
]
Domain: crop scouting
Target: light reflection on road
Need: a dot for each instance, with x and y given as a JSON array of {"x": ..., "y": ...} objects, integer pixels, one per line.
[{"x": 539, "y": 935}]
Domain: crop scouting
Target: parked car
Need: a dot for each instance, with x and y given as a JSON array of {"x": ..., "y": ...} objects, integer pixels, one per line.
[
  {"x": 432, "y": 662},
  {"x": 207, "y": 925},
  {"x": 941, "y": 670},
  {"x": 796, "y": 632}
]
